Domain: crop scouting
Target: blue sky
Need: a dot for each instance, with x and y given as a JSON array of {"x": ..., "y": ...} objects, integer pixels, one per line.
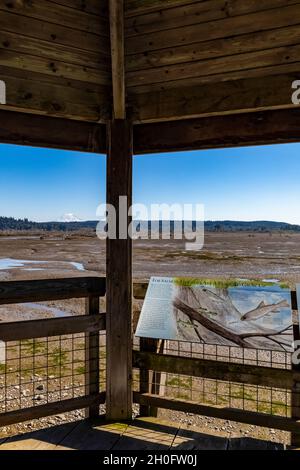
[{"x": 251, "y": 183}]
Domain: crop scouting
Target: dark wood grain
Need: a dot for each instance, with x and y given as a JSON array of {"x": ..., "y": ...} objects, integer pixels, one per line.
[
  {"x": 119, "y": 275},
  {"x": 217, "y": 370},
  {"x": 67, "y": 134},
  {"x": 12, "y": 292},
  {"x": 92, "y": 356},
  {"x": 46, "y": 327},
  {"x": 232, "y": 414},
  {"x": 35, "y": 412}
]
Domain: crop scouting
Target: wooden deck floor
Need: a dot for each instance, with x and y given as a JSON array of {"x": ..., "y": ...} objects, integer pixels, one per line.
[{"x": 141, "y": 434}]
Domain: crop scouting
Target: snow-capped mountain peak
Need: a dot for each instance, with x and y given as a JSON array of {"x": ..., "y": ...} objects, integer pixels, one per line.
[{"x": 69, "y": 218}]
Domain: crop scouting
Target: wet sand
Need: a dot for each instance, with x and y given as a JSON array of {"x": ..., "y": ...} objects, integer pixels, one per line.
[
  {"x": 225, "y": 255},
  {"x": 274, "y": 256}
]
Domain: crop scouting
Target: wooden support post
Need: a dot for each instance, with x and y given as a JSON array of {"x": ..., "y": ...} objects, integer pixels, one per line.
[
  {"x": 146, "y": 376},
  {"x": 119, "y": 275},
  {"x": 151, "y": 381},
  {"x": 92, "y": 358},
  {"x": 295, "y": 437}
]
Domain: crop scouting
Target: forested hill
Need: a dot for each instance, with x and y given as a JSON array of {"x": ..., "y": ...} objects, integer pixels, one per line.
[{"x": 10, "y": 223}]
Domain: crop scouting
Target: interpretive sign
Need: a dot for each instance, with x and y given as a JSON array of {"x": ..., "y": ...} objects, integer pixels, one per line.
[{"x": 233, "y": 313}]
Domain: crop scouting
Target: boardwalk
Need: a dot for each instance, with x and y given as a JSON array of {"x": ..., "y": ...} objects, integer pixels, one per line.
[{"x": 141, "y": 434}]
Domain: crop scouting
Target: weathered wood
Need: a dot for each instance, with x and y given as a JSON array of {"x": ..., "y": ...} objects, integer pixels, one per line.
[
  {"x": 294, "y": 303},
  {"x": 43, "y": 439},
  {"x": 35, "y": 412},
  {"x": 93, "y": 434},
  {"x": 90, "y": 6},
  {"x": 217, "y": 370},
  {"x": 145, "y": 7},
  {"x": 53, "y": 33},
  {"x": 174, "y": 15},
  {"x": 12, "y": 292},
  {"x": 267, "y": 127},
  {"x": 235, "y": 96},
  {"x": 25, "y": 129},
  {"x": 255, "y": 41},
  {"x": 208, "y": 67},
  {"x": 44, "y": 94},
  {"x": 167, "y": 18},
  {"x": 140, "y": 7},
  {"x": 295, "y": 397},
  {"x": 47, "y": 327},
  {"x": 232, "y": 414},
  {"x": 140, "y": 288},
  {"x": 58, "y": 14},
  {"x": 146, "y": 376},
  {"x": 58, "y": 68},
  {"x": 119, "y": 274},
  {"x": 92, "y": 353},
  {"x": 116, "y": 15},
  {"x": 259, "y": 21},
  {"x": 10, "y": 41}
]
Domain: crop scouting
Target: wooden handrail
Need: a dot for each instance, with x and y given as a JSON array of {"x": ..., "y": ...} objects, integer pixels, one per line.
[
  {"x": 222, "y": 412},
  {"x": 216, "y": 370},
  {"x": 12, "y": 292},
  {"x": 49, "y": 409},
  {"x": 46, "y": 327}
]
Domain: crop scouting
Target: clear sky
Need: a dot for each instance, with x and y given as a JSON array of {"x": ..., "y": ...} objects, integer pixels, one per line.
[{"x": 254, "y": 183}]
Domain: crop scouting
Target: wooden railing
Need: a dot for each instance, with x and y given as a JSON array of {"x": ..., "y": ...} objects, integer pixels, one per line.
[
  {"x": 149, "y": 359},
  {"x": 17, "y": 332}
]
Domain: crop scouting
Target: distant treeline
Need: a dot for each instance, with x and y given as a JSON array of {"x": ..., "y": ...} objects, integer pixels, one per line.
[{"x": 10, "y": 223}]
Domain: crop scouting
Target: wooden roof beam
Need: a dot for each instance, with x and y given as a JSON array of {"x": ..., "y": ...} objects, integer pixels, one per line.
[
  {"x": 116, "y": 18},
  {"x": 278, "y": 126}
]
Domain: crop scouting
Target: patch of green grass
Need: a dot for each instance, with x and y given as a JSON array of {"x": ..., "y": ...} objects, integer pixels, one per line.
[
  {"x": 80, "y": 370},
  {"x": 179, "y": 382},
  {"x": 206, "y": 256},
  {"x": 58, "y": 358},
  {"x": 224, "y": 283},
  {"x": 33, "y": 347}
]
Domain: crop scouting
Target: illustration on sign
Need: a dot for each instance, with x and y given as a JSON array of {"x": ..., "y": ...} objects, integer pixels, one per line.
[{"x": 228, "y": 313}]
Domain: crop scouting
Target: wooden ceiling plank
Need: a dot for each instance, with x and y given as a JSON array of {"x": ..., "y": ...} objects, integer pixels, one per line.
[
  {"x": 230, "y": 97},
  {"x": 54, "y": 33},
  {"x": 255, "y": 41},
  {"x": 207, "y": 67},
  {"x": 227, "y": 27},
  {"x": 58, "y": 14}
]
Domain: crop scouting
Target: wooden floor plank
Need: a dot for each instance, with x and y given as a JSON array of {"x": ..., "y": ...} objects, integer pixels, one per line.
[
  {"x": 147, "y": 434},
  {"x": 141, "y": 434},
  {"x": 45, "y": 439},
  {"x": 187, "y": 439},
  {"x": 93, "y": 435},
  {"x": 249, "y": 443}
]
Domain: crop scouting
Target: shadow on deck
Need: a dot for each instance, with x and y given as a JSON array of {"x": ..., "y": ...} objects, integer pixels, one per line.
[{"x": 140, "y": 434}]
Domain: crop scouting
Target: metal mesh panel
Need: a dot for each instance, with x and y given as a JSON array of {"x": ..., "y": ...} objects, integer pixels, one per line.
[
  {"x": 269, "y": 400},
  {"x": 45, "y": 370}
]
